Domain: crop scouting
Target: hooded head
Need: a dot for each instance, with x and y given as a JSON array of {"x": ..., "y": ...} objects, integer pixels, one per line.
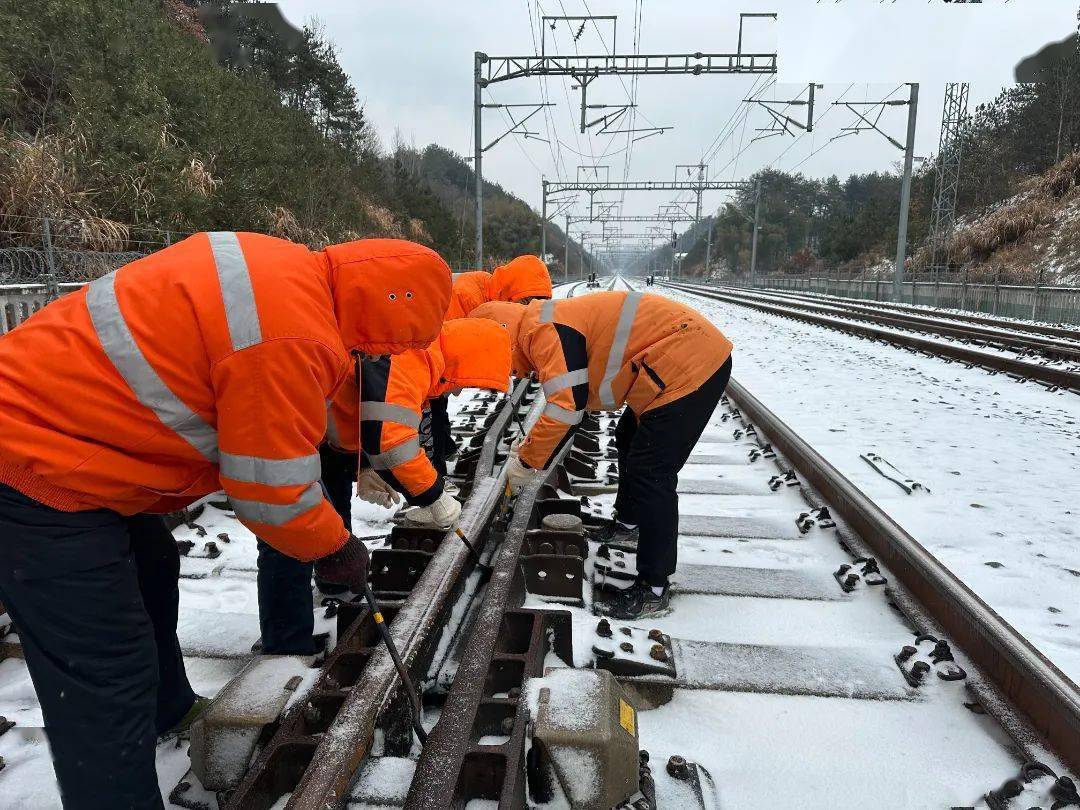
[
  {"x": 510, "y": 317},
  {"x": 523, "y": 277},
  {"x": 476, "y": 353},
  {"x": 389, "y": 295}
]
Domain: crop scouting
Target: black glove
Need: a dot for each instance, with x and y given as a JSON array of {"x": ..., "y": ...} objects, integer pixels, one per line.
[{"x": 347, "y": 566}]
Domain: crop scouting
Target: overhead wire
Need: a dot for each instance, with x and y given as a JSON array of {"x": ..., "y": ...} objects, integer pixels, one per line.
[{"x": 556, "y": 154}]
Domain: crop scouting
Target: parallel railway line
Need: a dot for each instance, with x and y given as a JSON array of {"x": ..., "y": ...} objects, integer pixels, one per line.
[{"x": 903, "y": 331}]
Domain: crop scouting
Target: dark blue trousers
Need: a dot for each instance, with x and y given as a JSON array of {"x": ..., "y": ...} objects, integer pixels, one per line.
[
  {"x": 652, "y": 450},
  {"x": 94, "y": 599},
  {"x": 286, "y": 618}
]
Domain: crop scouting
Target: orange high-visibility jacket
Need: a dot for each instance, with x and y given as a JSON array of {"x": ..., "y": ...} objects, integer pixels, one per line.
[
  {"x": 470, "y": 353},
  {"x": 204, "y": 366},
  {"x": 524, "y": 277},
  {"x": 602, "y": 350}
]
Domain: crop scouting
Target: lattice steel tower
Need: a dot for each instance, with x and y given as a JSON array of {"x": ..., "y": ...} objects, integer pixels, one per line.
[{"x": 947, "y": 179}]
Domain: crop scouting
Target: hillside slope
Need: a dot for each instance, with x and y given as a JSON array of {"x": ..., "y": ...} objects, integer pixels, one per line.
[{"x": 120, "y": 121}]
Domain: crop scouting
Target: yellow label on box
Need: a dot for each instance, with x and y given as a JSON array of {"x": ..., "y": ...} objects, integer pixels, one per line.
[{"x": 626, "y": 716}]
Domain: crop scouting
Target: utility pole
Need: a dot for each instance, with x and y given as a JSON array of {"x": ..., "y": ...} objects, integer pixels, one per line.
[
  {"x": 543, "y": 223},
  {"x": 478, "y": 156},
  {"x": 753, "y": 239},
  {"x": 708, "y": 246},
  {"x": 908, "y": 148},
  {"x": 566, "y": 260},
  {"x": 905, "y": 193}
]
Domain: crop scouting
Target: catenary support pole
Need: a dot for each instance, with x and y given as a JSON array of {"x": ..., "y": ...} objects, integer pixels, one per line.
[
  {"x": 905, "y": 193},
  {"x": 478, "y": 156},
  {"x": 543, "y": 222},
  {"x": 708, "y": 247},
  {"x": 566, "y": 260},
  {"x": 753, "y": 239}
]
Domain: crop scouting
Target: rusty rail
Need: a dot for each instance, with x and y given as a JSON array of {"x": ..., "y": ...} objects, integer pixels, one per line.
[
  {"x": 1031, "y": 682},
  {"x": 1069, "y": 333},
  {"x": 1048, "y": 375},
  {"x": 317, "y": 749},
  {"x": 507, "y": 645},
  {"x": 1001, "y": 336}
]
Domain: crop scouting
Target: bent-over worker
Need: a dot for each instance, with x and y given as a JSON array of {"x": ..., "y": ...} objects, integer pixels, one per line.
[
  {"x": 520, "y": 281},
  {"x": 206, "y": 365},
  {"x": 469, "y": 353},
  {"x": 660, "y": 358}
]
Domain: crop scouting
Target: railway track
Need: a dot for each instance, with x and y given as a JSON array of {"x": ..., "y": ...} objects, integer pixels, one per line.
[
  {"x": 959, "y": 343},
  {"x": 1002, "y": 335},
  {"x": 1029, "y": 327},
  {"x": 815, "y": 656}
]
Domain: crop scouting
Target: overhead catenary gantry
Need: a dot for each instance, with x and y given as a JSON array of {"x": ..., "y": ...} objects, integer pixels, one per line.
[
  {"x": 696, "y": 184},
  {"x": 489, "y": 70},
  {"x": 864, "y": 123},
  {"x": 673, "y": 215},
  {"x": 681, "y": 216}
]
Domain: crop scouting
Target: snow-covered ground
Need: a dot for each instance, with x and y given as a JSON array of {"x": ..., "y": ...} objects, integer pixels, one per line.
[{"x": 1001, "y": 459}]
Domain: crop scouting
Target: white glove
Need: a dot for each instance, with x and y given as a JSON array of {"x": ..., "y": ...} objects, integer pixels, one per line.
[
  {"x": 372, "y": 489},
  {"x": 442, "y": 514},
  {"x": 517, "y": 474},
  {"x": 515, "y": 445}
]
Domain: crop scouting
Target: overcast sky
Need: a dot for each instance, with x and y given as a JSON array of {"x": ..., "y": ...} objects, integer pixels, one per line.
[{"x": 412, "y": 60}]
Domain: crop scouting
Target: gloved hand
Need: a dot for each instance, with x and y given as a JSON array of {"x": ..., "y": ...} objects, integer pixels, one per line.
[
  {"x": 515, "y": 445},
  {"x": 371, "y": 488},
  {"x": 347, "y": 566},
  {"x": 442, "y": 514},
  {"x": 517, "y": 473}
]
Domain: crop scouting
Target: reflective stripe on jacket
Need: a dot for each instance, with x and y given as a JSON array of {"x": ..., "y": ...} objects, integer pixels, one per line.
[
  {"x": 204, "y": 366},
  {"x": 600, "y": 351}
]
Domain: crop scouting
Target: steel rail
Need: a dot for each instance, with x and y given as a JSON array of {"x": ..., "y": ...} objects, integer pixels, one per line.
[
  {"x": 436, "y": 776},
  {"x": 999, "y": 336},
  {"x": 1030, "y": 681},
  {"x": 1061, "y": 378},
  {"x": 348, "y": 740},
  {"x": 340, "y": 751}
]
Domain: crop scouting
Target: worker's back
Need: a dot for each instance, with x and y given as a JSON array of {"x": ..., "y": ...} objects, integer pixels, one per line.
[
  {"x": 110, "y": 396},
  {"x": 651, "y": 337}
]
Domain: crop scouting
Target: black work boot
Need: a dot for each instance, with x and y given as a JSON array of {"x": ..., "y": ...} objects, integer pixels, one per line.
[
  {"x": 617, "y": 536},
  {"x": 638, "y": 602}
]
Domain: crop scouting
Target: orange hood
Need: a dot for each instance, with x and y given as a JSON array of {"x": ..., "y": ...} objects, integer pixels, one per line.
[
  {"x": 476, "y": 353},
  {"x": 523, "y": 277},
  {"x": 390, "y": 295},
  {"x": 510, "y": 317}
]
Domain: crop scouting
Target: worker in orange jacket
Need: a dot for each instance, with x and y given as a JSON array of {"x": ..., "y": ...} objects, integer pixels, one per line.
[
  {"x": 469, "y": 353},
  {"x": 667, "y": 364},
  {"x": 205, "y": 366},
  {"x": 520, "y": 281}
]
